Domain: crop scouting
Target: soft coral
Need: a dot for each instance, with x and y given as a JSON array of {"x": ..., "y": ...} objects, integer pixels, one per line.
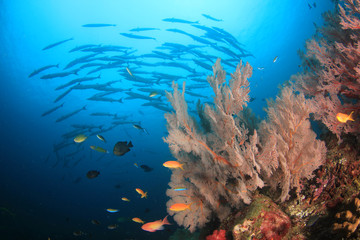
[{"x": 217, "y": 235}]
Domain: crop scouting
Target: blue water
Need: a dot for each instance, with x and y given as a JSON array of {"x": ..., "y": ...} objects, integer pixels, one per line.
[{"x": 47, "y": 192}]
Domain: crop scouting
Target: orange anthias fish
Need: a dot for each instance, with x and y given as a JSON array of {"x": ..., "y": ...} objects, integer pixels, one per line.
[
  {"x": 178, "y": 207},
  {"x": 125, "y": 199},
  {"x": 155, "y": 226},
  {"x": 138, "y": 220},
  {"x": 343, "y": 118},
  {"x": 141, "y": 192},
  {"x": 173, "y": 164}
]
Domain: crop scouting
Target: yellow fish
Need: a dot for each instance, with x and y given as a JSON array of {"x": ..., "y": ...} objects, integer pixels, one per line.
[
  {"x": 100, "y": 137},
  {"x": 173, "y": 164},
  {"x": 343, "y": 118},
  {"x": 155, "y": 226},
  {"x": 153, "y": 94},
  {"x": 141, "y": 192},
  {"x": 99, "y": 149},
  {"x": 128, "y": 70},
  {"x": 80, "y": 138},
  {"x": 178, "y": 207},
  {"x": 125, "y": 199},
  {"x": 112, "y": 210},
  {"x": 138, "y": 220}
]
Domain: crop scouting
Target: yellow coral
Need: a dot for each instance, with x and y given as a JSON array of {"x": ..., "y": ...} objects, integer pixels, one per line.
[{"x": 351, "y": 220}]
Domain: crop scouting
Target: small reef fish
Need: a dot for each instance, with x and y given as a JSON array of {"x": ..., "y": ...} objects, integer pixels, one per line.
[
  {"x": 260, "y": 68},
  {"x": 130, "y": 73},
  {"x": 140, "y": 128},
  {"x": 138, "y": 220},
  {"x": 121, "y": 148},
  {"x": 343, "y": 118},
  {"x": 112, "y": 226},
  {"x": 92, "y": 174},
  {"x": 153, "y": 94},
  {"x": 180, "y": 189},
  {"x": 173, "y": 164},
  {"x": 80, "y": 138},
  {"x": 178, "y": 207},
  {"x": 100, "y": 137},
  {"x": 125, "y": 199},
  {"x": 112, "y": 210},
  {"x": 141, "y": 192},
  {"x": 135, "y": 164},
  {"x": 95, "y": 222},
  {"x": 155, "y": 226},
  {"x": 99, "y": 25},
  {"x": 99, "y": 149},
  {"x": 57, "y": 43},
  {"x": 275, "y": 59}
]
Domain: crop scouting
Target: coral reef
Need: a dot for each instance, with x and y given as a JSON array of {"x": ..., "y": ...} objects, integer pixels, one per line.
[
  {"x": 350, "y": 220},
  {"x": 220, "y": 168},
  {"x": 228, "y": 156},
  {"x": 183, "y": 234},
  {"x": 288, "y": 131},
  {"x": 263, "y": 219},
  {"x": 331, "y": 69},
  {"x": 217, "y": 235},
  {"x": 223, "y": 163}
]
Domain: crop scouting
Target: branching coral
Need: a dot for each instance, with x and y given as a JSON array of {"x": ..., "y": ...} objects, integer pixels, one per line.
[
  {"x": 288, "y": 130},
  {"x": 223, "y": 163},
  {"x": 220, "y": 168},
  {"x": 332, "y": 69}
]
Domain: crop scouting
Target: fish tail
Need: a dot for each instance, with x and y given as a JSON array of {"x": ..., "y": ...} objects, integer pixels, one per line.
[
  {"x": 351, "y": 117},
  {"x": 181, "y": 166},
  {"x": 165, "y": 221},
  {"x": 84, "y": 107},
  {"x": 57, "y": 65},
  {"x": 190, "y": 206}
]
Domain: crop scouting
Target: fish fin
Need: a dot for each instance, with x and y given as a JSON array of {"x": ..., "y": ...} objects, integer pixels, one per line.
[
  {"x": 84, "y": 107},
  {"x": 181, "y": 166},
  {"x": 165, "y": 221},
  {"x": 146, "y": 131},
  {"x": 130, "y": 144},
  {"x": 351, "y": 117}
]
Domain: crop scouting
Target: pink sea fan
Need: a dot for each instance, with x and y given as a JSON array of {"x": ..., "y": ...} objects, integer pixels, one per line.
[
  {"x": 331, "y": 76},
  {"x": 288, "y": 130}
]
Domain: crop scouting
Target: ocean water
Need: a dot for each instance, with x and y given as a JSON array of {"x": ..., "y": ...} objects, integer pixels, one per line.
[{"x": 44, "y": 190}]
